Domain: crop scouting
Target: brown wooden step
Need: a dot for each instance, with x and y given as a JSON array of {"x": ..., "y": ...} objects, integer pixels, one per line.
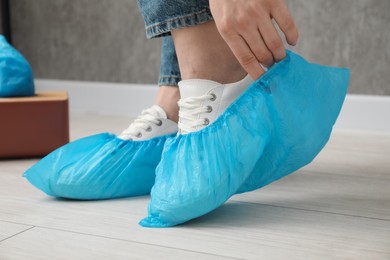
[{"x": 33, "y": 126}]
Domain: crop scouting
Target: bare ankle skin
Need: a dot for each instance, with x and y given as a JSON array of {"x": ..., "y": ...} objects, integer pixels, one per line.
[
  {"x": 203, "y": 54},
  {"x": 167, "y": 98}
]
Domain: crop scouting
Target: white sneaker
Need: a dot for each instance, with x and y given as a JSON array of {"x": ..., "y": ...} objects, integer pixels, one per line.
[
  {"x": 151, "y": 123},
  {"x": 202, "y": 101}
]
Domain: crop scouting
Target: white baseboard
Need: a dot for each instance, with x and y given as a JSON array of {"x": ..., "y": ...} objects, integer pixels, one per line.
[
  {"x": 359, "y": 113},
  {"x": 101, "y": 97},
  {"x": 365, "y": 113}
]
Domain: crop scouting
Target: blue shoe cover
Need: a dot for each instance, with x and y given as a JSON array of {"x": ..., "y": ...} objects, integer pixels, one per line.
[
  {"x": 279, "y": 124},
  {"x": 16, "y": 78},
  {"x": 101, "y": 166}
]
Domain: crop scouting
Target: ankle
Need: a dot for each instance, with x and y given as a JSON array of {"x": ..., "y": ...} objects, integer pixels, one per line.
[
  {"x": 211, "y": 59},
  {"x": 167, "y": 99},
  {"x": 225, "y": 73}
]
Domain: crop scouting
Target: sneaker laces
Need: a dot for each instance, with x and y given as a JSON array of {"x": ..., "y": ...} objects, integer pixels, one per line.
[
  {"x": 143, "y": 122},
  {"x": 190, "y": 110}
]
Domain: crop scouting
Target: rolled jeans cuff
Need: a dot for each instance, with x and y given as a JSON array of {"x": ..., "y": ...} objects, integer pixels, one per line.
[{"x": 162, "y": 16}]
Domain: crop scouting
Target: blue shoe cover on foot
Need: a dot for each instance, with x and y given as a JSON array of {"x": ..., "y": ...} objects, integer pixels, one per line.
[
  {"x": 279, "y": 124},
  {"x": 16, "y": 77},
  {"x": 101, "y": 166},
  {"x": 303, "y": 115}
]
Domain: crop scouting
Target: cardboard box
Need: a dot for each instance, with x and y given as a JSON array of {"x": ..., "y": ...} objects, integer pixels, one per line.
[{"x": 33, "y": 126}]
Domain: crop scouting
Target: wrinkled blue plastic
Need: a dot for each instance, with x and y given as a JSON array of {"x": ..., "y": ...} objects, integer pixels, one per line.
[
  {"x": 279, "y": 124},
  {"x": 16, "y": 77},
  {"x": 101, "y": 166}
]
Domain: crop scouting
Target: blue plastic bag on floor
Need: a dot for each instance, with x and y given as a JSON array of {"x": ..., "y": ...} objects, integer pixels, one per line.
[
  {"x": 16, "y": 77},
  {"x": 101, "y": 166},
  {"x": 279, "y": 124}
]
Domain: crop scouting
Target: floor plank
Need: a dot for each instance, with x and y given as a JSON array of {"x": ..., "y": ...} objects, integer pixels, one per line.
[
  {"x": 85, "y": 125},
  {"x": 8, "y": 229},
  {"x": 364, "y": 164},
  {"x": 370, "y": 142},
  {"x": 329, "y": 192},
  {"x": 240, "y": 230},
  {"x": 41, "y": 243}
]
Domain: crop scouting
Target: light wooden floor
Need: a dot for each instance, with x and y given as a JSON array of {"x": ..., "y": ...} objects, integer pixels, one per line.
[{"x": 338, "y": 207}]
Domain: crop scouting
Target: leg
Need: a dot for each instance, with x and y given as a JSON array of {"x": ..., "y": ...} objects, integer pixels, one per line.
[
  {"x": 208, "y": 67},
  {"x": 167, "y": 98},
  {"x": 209, "y": 59},
  {"x": 197, "y": 175},
  {"x": 168, "y": 94}
]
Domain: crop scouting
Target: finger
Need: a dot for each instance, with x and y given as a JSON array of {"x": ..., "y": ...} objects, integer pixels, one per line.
[
  {"x": 258, "y": 48},
  {"x": 286, "y": 23},
  {"x": 245, "y": 56},
  {"x": 272, "y": 39}
]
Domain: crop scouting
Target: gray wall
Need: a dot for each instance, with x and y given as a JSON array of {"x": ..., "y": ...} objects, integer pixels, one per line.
[
  {"x": 95, "y": 40},
  {"x": 103, "y": 40}
]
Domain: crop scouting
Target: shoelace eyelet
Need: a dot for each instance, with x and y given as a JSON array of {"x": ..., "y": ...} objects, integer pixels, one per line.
[
  {"x": 209, "y": 109},
  {"x": 159, "y": 123},
  {"x": 214, "y": 97},
  {"x": 206, "y": 121},
  {"x": 149, "y": 129}
]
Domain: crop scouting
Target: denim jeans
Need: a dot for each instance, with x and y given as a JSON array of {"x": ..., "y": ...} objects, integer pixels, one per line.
[{"x": 163, "y": 16}]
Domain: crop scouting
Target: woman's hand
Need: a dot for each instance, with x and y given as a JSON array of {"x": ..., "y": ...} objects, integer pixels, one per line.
[{"x": 246, "y": 26}]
